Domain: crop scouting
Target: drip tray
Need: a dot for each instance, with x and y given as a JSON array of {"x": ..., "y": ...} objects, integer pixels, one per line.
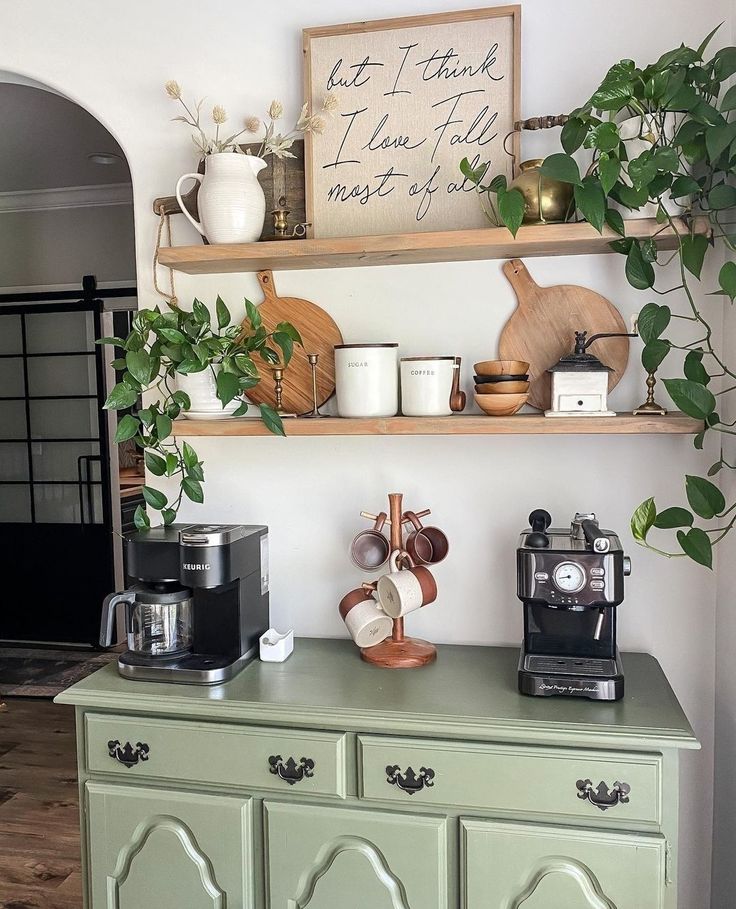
[{"x": 566, "y": 665}]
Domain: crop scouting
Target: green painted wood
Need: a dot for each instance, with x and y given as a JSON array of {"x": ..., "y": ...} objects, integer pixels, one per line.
[
  {"x": 334, "y": 858},
  {"x": 517, "y": 866},
  {"x": 470, "y": 692},
  {"x": 218, "y": 753},
  {"x": 152, "y": 849},
  {"x": 511, "y": 778}
]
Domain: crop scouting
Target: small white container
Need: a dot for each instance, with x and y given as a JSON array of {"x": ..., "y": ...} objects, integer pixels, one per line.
[
  {"x": 367, "y": 380},
  {"x": 202, "y": 390},
  {"x": 275, "y": 647},
  {"x": 426, "y": 385}
]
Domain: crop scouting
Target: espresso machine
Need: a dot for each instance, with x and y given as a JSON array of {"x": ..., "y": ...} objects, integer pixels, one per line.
[
  {"x": 197, "y": 604},
  {"x": 571, "y": 581}
]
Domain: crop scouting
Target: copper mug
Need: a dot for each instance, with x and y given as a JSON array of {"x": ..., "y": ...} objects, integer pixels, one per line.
[
  {"x": 366, "y": 621},
  {"x": 370, "y": 548},
  {"x": 426, "y": 545}
]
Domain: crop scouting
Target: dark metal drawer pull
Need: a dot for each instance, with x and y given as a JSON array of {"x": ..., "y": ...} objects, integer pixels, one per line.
[
  {"x": 289, "y": 771},
  {"x": 410, "y": 782},
  {"x": 601, "y": 796},
  {"x": 128, "y": 755}
]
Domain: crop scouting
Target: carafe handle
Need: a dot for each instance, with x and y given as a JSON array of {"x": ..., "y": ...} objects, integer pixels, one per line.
[
  {"x": 109, "y": 611},
  {"x": 184, "y": 210}
]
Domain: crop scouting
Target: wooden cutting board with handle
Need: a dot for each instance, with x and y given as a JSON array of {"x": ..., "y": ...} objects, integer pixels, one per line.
[
  {"x": 319, "y": 333},
  {"x": 542, "y": 329}
]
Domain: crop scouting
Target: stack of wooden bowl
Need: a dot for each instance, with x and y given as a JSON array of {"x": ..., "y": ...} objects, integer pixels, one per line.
[{"x": 501, "y": 386}]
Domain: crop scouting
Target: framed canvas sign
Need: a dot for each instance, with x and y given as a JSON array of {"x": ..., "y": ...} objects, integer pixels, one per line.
[{"x": 415, "y": 96}]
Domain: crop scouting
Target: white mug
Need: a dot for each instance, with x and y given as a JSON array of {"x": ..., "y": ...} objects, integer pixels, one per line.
[
  {"x": 426, "y": 386},
  {"x": 403, "y": 591},
  {"x": 367, "y": 623},
  {"x": 367, "y": 380}
]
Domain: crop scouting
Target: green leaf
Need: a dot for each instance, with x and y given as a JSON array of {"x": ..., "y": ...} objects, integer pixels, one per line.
[
  {"x": 127, "y": 428},
  {"x": 145, "y": 415},
  {"x": 673, "y": 517},
  {"x": 227, "y": 387},
  {"x": 182, "y": 399},
  {"x": 604, "y": 137},
  {"x": 498, "y": 184},
  {"x": 140, "y": 518},
  {"x": 642, "y": 170},
  {"x": 155, "y": 464},
  {"x": 154, "y": 497},
  {"x": 699, "y": 439},
  {"x": 728, "y": 101},
  {"x": 223, "y": 313},
  {"x": 245, "y": 365},
  {"x": 193, "y": 489},
  {"x": 475, "y": 176},
  {"x": 189, "y": 455},
  {"x": 591, "y": 201},
  {"x": 272, "y": 420},
  {"x": 722, "y": 197},
  {"x": 172, "y": 463},
  {"x": 511, "y": 206},
  {"x": 715, "y": 468},
  {"x": 684, "y": 185},
  {"x": 168, "y": 515},
  {"x": 188, "y": 366},
  {"x": 116, "y": 342},
  {"x": 693, "y": 250},
  {"x": 196, "y": 472},
  {"x": 291, "y": 331},
  {"x": 163, "y": 426},
  {"x": 691, "y": 398},
  {"x": 609, "y": 168},
  {"x": 705, "y": 498},
  {"x": 696, "y": 544},
  {"x": 561, "y": 167},
  {"x": 639, "y": 273},
  {"x": 631, "y": 197},
  {"x": 573, "y": 134},
  {"x": 615, "y": 221},
  {"x": 173, "y": 335},
  {"x": 727, "y": 279},
  {"x": 718, "y": 138},
  {"x": 285, "y": 343},
  {"x": 725, "y": 63},
  {"x": 242, "y": 409},
  {"x": 121, "y": 397},
  {"x": 643, "y": 519},
  {"x": 201, "y": 313},
  {"x": 694, "y": 369},
  {"x": 652, "y": 321},
  {"x": 254, "y": 317},
  {"x": 706, "y": 41},
  {"x": 653, "y": 354}
]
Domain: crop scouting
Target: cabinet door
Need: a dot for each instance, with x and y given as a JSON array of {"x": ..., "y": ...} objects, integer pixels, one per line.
[
  {"x": 155, "y": 849},
  {"x": 520, "y": 866},
  {"x": 333, "y": 858}
]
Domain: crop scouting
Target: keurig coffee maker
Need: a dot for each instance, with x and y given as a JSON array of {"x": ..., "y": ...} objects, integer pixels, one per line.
[
  {"x": 571, "y": 582},
  {"x": 197, "y": 605}
]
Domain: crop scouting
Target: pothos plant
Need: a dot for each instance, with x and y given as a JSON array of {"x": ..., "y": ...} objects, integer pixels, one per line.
[
  {"x": 162, "y": 345},
  {"x": 681, "y": 158}
]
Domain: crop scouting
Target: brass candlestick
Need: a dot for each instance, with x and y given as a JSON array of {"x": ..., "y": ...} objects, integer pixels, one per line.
[
  {"x": 313, "y": 361},
  {"x": 650, "y": 406},
  {"x": 280, "y": 219},
  {"x": 278, "y": 378}
]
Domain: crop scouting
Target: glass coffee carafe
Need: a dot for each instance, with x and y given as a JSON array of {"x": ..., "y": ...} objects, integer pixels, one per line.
[{"x": 158, "y": 620}]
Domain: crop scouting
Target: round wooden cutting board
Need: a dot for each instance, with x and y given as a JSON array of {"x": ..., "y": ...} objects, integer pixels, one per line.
[
  {"x": 319, "y": 333},
  {"x": 542, "y": 329}
]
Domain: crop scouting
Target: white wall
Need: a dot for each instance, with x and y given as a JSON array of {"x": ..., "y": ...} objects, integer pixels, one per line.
[{"x": 310, "y": 490}]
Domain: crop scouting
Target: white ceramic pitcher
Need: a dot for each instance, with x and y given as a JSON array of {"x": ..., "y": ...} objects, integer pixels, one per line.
[{"x": 231, "y": 202}]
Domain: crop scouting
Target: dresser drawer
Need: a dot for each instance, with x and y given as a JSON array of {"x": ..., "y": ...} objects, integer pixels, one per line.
[
  {"x": 251, "y": 757},
  {"x": 529, "y": 781}
]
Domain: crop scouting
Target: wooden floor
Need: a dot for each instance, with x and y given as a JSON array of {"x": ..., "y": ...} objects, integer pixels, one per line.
[{"x": 39, "y": 819}]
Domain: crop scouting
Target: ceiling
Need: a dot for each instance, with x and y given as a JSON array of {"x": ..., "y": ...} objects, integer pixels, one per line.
[{"x": 45, "y": 140}]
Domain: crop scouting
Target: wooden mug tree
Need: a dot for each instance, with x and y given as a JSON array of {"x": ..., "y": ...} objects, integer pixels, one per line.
[{"x": 399, "y": 651}]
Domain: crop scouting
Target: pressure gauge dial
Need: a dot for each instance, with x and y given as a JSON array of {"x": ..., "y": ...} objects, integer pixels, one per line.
[{"x": 569, "y": 577}]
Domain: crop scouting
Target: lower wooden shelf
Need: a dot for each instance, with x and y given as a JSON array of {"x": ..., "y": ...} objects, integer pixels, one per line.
[{"x": 522, "y": 424}]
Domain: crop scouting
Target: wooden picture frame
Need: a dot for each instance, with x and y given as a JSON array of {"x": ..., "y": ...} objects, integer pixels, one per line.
[{"x": 416, "y": 95}]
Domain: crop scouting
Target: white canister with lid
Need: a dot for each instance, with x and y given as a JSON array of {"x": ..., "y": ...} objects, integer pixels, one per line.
[
  {"x": 367, "y": 380},
  {"x": 426, "y": 386}
]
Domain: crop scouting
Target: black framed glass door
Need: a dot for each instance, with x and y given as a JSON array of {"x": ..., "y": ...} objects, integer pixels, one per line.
[{"x": 58, "y": 504}]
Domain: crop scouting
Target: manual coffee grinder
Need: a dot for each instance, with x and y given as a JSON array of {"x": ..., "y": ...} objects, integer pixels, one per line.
[{"x": 571, "y": 582}]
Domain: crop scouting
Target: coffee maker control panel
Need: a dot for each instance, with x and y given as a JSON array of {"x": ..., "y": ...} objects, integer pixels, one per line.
[{"x": 558, "y": 580}]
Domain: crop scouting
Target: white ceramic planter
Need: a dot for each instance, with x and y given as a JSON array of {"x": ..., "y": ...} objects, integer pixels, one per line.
[
  {"x": 367, "y": 380},
  {"x": 202, "y": 390},
  {"x": 641, "y": 134},
  {"x": 231, "y": 202}
]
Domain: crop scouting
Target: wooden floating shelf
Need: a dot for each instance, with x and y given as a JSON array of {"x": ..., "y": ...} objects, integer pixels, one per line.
[
  {"x": 409, "y": 249},
  {"x": 522, "y": 424}
]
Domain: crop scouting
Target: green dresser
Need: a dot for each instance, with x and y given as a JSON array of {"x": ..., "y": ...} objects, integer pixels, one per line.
[{"x": 327, "y": 783}]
